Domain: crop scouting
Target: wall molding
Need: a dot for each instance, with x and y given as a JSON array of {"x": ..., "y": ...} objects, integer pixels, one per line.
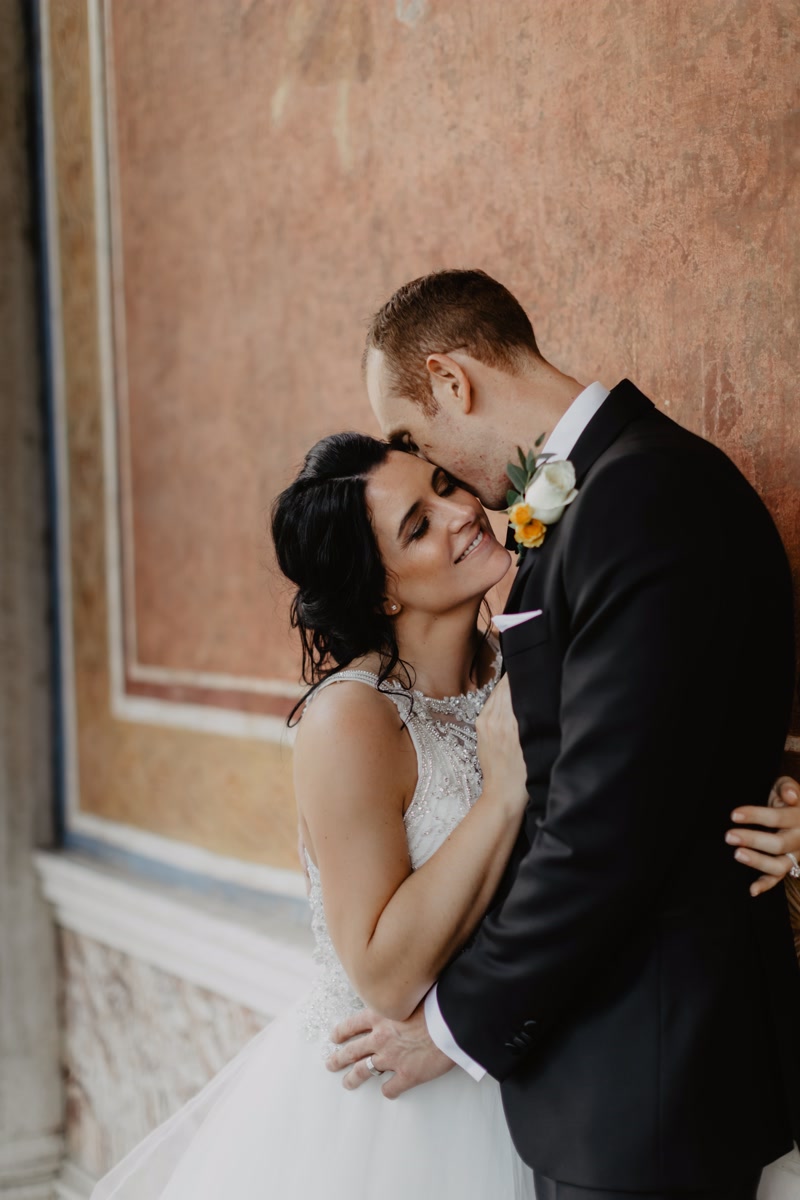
[
  {"x": 29, "y": 1166},
  {"x": 184, "y": 857},
  {"x": 263, "y": 972},
  {"x": 118, "y": 499},
  {"x": 73, "y": 1183}
]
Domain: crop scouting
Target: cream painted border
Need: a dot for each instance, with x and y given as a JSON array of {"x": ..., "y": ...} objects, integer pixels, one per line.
[
  {"x": 111, "y": 333},
  {"x": 145, "y": 709},
  {"x": 198, "y": 718},
  {"x": 249, "y": 967}
]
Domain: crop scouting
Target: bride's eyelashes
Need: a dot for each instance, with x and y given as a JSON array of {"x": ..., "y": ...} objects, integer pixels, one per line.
[
  {"x": 443, "y": 485},
  {"x": 420, "y": 530}
]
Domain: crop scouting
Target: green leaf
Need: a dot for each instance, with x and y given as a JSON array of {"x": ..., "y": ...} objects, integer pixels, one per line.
[
  {"x": 517, "y": 476},
  {"x": 523, "y": 458},
  {"x": 512, "y": 498},
  {"x": 530, "y": 464},
  {"x": 539, "y": 440}
]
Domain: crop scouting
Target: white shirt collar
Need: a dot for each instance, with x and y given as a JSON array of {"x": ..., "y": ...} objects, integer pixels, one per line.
[{"x": 564, "y": 437}]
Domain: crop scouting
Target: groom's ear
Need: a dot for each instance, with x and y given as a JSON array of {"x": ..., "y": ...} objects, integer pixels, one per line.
[{"x": 450, "y": 383}]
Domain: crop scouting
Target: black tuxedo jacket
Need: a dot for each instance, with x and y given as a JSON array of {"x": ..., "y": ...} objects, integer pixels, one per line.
[{"x": 640, "y": 1009}]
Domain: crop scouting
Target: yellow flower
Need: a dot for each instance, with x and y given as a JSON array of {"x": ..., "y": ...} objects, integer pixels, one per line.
[
  {"x": 531, "y": 534},
  {"x": 520, "y": 514}
]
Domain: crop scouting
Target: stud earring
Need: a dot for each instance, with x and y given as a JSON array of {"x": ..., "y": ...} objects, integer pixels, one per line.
[{"x": 394, "y": 608}]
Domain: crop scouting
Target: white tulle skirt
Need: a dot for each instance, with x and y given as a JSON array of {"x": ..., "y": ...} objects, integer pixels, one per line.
[{"x": 274, "y": 1124}]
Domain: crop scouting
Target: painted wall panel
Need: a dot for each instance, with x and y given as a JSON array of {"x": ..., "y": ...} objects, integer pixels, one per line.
[{"x": 263, "y": 176}]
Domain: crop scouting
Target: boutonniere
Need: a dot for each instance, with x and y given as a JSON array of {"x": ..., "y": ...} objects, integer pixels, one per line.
[{"x": 542, "y": 489}]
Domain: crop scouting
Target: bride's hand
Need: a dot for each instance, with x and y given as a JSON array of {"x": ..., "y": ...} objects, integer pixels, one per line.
[
  {"x": 766, "y": 852},
  {"x": 499, "y": 750}
]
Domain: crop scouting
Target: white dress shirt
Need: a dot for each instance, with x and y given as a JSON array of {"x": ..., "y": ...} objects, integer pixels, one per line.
[{"x": 560, "y": 444}]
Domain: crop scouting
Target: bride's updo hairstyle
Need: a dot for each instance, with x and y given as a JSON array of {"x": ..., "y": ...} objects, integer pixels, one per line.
[{"x": 327, "y": 547}]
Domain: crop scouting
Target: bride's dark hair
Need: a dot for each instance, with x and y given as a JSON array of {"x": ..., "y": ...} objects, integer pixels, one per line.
[{"x": 326, "y": 546}]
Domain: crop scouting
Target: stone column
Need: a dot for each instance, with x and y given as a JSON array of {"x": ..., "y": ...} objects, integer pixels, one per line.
[{"x": 30, "y": 1080}]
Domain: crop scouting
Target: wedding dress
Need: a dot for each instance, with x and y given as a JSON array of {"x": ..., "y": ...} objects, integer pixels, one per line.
[{"x": 274, "y": 1124}]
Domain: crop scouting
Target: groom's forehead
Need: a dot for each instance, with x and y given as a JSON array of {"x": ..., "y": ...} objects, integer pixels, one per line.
[
  {"x": 377, "y": 383},
  {"x": 394, "y": 412}
]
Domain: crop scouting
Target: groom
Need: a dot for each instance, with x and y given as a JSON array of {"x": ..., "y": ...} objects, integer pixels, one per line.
[{"x": 641, "y": 1012}]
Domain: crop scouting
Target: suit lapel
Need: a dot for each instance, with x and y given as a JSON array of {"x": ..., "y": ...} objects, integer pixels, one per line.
[{"x": 624, "y": 403}]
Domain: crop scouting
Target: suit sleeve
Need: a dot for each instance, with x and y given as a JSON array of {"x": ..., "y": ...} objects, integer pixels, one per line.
[{"x": 647, "y": 570}]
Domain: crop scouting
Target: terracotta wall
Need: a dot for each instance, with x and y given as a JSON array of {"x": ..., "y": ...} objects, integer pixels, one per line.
[{"x": 272, "y": 172}]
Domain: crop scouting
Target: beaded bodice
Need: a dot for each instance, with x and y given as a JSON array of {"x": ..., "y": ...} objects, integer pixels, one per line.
[{"x": 448, "y": 784}]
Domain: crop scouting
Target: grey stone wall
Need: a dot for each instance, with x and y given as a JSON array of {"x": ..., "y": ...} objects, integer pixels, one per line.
[{"x": 30, "y": 1080}]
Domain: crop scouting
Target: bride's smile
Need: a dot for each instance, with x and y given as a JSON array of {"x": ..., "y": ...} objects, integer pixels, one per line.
[{"x": 473, "y": 545}]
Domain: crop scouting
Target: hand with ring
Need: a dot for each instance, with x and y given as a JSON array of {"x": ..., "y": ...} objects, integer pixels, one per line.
[
  {"x": 403, "y": 1050},
  {"x": 773, "y": 849}
]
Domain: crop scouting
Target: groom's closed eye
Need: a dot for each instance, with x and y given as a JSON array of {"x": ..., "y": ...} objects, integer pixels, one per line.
[{"x": 404, "y": 441}]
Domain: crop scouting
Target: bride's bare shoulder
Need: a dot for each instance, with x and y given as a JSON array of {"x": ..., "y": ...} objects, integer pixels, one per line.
[
  {"x": 350, "y": 710},
  {"x": 352, "y": 747}
]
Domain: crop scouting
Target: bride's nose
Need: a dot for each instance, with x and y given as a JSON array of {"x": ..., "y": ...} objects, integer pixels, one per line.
[{"x": 459, "y": 516}]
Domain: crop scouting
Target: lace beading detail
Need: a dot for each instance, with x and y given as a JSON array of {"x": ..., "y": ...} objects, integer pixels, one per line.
[{"x": 449, "y": 782}]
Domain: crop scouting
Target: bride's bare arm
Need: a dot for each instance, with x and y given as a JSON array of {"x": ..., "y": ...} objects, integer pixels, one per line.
[{"x": 395, "y": 929}]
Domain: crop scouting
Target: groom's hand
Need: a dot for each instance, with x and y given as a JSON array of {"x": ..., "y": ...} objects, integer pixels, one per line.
[{"x": 403, "y": 1047}]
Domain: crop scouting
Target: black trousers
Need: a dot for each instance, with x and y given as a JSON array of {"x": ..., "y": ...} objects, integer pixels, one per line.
[{"x": 551, "y": 1189}]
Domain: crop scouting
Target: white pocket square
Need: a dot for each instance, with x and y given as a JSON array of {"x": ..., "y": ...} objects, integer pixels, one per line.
[{"x": 509, "y": 620}]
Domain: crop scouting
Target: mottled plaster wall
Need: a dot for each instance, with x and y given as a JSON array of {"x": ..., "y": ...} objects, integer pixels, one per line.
[{"x": 627, "y": 167}]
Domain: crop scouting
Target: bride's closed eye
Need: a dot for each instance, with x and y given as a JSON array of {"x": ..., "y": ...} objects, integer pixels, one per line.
[
  {"x": 420, "y": 530},
  {"x": 443, "y": 485}
]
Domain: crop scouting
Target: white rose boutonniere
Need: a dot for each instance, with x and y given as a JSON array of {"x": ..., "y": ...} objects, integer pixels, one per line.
[
  {"x": 541, "y": 491},
  {"x": 551, "y": 490}
]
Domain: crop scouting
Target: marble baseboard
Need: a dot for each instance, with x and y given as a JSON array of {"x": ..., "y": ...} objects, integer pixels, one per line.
[
  {"x": 138, "y": 1043},
  {"x": 29, "y": 1166},
  {"x": 260, "y": 962},
  {"x": 159, "y": 992}
]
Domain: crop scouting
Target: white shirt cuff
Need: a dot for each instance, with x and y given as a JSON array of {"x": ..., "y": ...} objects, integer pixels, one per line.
[{"x": 443, "y": 1038}]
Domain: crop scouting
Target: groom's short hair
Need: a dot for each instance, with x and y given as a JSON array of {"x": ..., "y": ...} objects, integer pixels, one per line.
[{"x": 444, "y": 311}]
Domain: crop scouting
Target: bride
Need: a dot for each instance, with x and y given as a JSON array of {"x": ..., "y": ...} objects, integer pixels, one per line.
[{"x": 410, "y": 789}]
